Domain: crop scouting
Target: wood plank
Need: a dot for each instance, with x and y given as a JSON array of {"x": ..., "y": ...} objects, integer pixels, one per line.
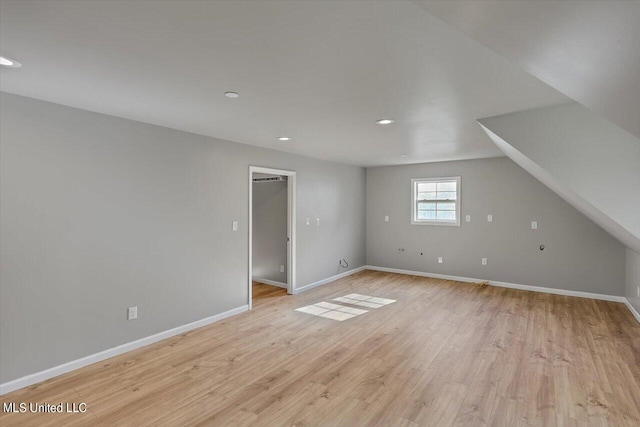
[{"x": 446, "y": 353}]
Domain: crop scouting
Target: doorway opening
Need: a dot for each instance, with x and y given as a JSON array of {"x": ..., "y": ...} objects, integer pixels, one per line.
[{"x": 271, "y": 233}]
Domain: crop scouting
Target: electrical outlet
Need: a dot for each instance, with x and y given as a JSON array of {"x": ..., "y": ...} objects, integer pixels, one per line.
[
  {"x": 638, "y": 292},
  {"x": 467, "y": 218},
  {"x": 489, "y": 218},
  {"x": 282, "y": 269},
  {"x": 386, "y": 218},
  {"x": 234, "y": 226},
  {"x": 440, "y": 260},
  {"x": 132, "y": 313},
  {"x": 484, "y": 261},
  {"x": 534, "y": 225}
]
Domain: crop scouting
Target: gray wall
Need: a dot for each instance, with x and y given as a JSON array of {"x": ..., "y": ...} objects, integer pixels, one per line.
[
  {"x": 270, "y": 230},
  {"x": 99, "y": 213},
  {"x": 579, "y": 255},
  {"x": 632, "y": 278}
]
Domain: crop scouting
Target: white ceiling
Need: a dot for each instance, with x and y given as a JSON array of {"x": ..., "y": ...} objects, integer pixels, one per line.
[
  {"x": 320, "y": 72},
  {"x": 588, "y": 50}
]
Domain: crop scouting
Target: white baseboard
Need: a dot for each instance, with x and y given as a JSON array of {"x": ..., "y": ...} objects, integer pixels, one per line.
[
  {"x": 329, "y": 279},
  {"x": 269, "y": 282},
  {"x": 504, "y": 284},
  {"x": 28, "y": 380},
  {"x": 633, "y": 309},
  {"x": 565, "y": 292}
]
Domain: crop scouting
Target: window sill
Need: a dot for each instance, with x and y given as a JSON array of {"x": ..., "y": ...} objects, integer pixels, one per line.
[{"x": 446, "y": 224}]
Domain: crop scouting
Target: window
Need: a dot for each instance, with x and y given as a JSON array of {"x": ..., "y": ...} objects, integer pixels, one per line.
[{"x": 435, "y": 201}]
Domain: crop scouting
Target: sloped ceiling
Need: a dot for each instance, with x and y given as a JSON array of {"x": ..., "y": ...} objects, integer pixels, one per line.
[
  {"x": 588, "y": 50},
  {"x": 590, "y": 162}
]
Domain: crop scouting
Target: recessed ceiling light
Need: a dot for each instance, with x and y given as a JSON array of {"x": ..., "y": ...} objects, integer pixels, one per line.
[
  {"x": 384, "y": 121},
  {"x": 9, "y": 62},
  {"x": 231, "y": 94},
  {"x": 284, "y": 138}
]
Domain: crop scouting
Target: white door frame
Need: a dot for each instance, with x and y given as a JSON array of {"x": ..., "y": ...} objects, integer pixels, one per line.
[{"x": 291, "y": 226}]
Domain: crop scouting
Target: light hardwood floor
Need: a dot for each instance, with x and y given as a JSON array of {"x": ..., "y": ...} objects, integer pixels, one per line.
[{"x": 445, "y": 354}]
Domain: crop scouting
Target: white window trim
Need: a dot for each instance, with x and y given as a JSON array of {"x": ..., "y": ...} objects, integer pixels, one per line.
[{"x": 414, "y": 221}]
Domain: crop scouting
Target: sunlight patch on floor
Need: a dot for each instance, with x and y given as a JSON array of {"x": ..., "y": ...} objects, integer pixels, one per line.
[
  {"x": 340, "y": 312},
  {"x": 331, "y": 311},
  {"x": 364, "y": 300}
]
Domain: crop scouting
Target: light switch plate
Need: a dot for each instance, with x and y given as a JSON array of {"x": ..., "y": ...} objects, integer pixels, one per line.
[
  {"x": 467, "y": 218},
  {"x": 484, "y": 261},
  {"x": 534, "y": 225},
  {"x": 132, "y": 313},
  {"x": 386, "y": 218},
  {"x": 308, "y": 221},
  {"x": 234, "y": 226},
  {"x": 440, "y": 260},
  {"x": 489, "y": 218},
  {"x": 318, "y": 222}
]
